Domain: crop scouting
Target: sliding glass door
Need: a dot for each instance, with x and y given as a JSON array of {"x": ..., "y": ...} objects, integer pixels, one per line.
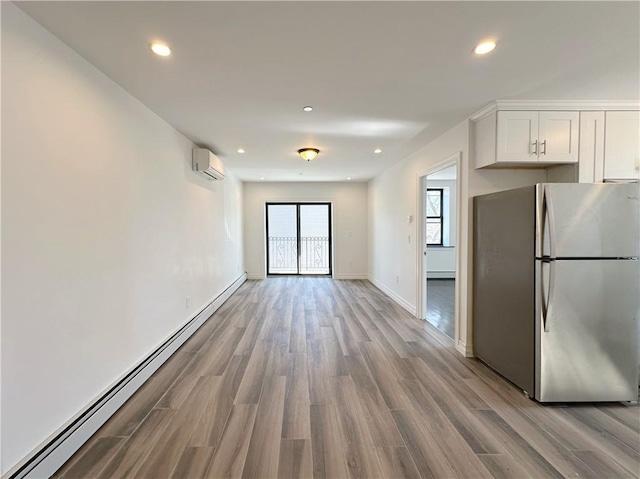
[
  {"x": 314, "y": 239},
  {"x": 282, "y": 239},
  {"x": 299, "y": 238}
]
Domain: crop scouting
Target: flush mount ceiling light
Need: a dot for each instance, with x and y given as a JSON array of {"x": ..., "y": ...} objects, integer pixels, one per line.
[
  {"x": 160, "y": 49},
  {"x": 240, "y": 150},
  {"x": 308, "y": 153},
  {"x": 348, "y": 178},
  {"x": 377, "y": 150},
  {"x": 484, "y": 47},
  {"x": 307, "y": 108}
]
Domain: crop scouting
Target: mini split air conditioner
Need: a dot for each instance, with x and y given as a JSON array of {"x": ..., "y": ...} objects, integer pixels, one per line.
[{"x": 207, "y": 164}]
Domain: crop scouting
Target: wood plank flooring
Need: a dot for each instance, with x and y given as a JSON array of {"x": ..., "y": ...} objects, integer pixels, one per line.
[
  {"x": 299, "y": 377},
  {"x": 441, "y": 308}
]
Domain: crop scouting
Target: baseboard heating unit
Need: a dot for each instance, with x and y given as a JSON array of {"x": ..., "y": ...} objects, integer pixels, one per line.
[{"x": 54, "y": 452}]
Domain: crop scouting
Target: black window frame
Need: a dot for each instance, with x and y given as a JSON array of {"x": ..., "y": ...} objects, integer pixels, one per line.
[
  {"x": 297, "y": 204},
  {"x": 441, "y": 217}
]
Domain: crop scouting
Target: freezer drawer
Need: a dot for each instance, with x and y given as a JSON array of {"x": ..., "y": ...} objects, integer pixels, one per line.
[{"x": 587, "y": 330}]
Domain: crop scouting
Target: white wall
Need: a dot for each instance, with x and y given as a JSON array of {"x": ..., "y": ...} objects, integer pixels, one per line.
[
  {"x": 563, "y": 174},
  {"x": 349, "y": 216},
  {"x": 393, "y": 196},
  {"x": 106, "y": 231},
  {"x": 441, "y": 262}
]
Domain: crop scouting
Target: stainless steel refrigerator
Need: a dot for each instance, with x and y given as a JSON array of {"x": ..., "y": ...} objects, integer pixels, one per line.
[{"x": 556, "y": 289}]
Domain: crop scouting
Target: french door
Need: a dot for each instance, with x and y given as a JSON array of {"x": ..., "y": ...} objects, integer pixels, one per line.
[{"x": 298, "y": 238}]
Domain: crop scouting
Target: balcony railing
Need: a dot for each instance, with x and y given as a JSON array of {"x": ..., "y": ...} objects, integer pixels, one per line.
[{"x": 314, "y": 255}]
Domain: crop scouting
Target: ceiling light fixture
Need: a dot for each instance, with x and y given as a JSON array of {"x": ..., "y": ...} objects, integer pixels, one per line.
[
  {"x": 308, "y": 153},
  {"x": 307, "y": 108},
  {"x": 484, "y": 47},
  {"x": 240, "y": 150},
  {"x": 348, "y": 177},
  {"x": 160, "y": 49},
  {"x": 377, "y": 150},
  {"x": 262, "y": 177}
]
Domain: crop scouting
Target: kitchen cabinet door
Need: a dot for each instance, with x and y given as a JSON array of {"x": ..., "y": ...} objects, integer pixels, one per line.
[
  {"x": 517, "y": 137},
  {"x": 591, "y": 149},
  {"x": 558, "y": 136},
  {"x": 622, "y": 145}
]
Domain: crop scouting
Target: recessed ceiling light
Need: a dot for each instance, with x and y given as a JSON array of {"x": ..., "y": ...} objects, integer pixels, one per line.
[
  {"x": 348, "y": 177},
  {"x": 160, "y": 49},
  {"x": 307, "y": 108},
  {"x": 484, "y": 47},
  {"x": 240, "y": 150},
  {"x": 377, "y": 150}
]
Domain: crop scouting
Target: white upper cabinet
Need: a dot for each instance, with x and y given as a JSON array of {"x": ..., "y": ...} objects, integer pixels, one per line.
[
  {"x": 622, "y": 145},
  {"x": 517, "y": 136},
  {"x": 558, "y": 136},
  {"x": 527, "y": 138},
  {"x": 545, "y": 137},
  {"x": 599, "y": 141}
]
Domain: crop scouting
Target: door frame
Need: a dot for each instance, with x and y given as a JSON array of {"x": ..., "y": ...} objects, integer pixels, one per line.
[
  {"x": 297, "y": 204},
  {"x": 421, "y": 262}
]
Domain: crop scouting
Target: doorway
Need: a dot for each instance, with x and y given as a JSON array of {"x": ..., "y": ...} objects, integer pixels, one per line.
[
  {"x": 440, "y": 247},
  {"x": 439, "y": 233},
  {"x": 298, "y": 238}
]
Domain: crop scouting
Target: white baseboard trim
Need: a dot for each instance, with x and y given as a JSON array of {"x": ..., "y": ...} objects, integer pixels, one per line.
[
  {"x": 402, "y": 302},
  {"x": 465, "y": 349},
  {"x": 441, "y": 275},
  {"x": 350, "y": 276},
  {"x": 258, "y": 276},
  {"x": 47, "y": 458}
]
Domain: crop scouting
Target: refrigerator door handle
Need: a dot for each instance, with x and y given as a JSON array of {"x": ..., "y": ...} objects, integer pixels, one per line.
[
  {"x": 540, "y": 215},
  {"x": 547, "y": 293},
  {"x": 549, "y": 222}
]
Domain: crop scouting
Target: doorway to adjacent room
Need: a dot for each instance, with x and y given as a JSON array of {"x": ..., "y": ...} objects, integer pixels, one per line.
[{"x": 438, "y": 231}]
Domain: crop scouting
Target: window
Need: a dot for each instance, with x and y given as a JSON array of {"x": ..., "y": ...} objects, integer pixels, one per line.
[
  {"x": 434, "y": 222},
  {"x": 298, "y": 238}
]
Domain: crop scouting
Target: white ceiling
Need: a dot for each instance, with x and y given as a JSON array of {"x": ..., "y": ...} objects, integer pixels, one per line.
[{"x": 393, "y": 75}]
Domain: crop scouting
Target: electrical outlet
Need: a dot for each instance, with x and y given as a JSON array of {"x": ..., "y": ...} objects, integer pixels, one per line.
[
  {"x": 187, "y": 301},
  {"x": 397, "y": 279}
]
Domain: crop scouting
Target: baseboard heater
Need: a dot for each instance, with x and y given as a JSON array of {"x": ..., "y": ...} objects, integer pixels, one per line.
[
  {"x": 50, "y": 456},
  {"x": 441, "y": 275}
]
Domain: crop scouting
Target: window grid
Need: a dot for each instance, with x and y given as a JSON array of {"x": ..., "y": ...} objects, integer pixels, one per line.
[{"x": 434, "y": 220}]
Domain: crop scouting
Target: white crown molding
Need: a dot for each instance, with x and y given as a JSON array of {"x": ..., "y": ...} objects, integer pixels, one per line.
[{"x": 555, "y": 105}]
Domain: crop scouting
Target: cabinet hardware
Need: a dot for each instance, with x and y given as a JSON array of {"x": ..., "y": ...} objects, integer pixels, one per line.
[
  {"x": 544, "y": 144},
  {"x": 535, "y": 147}
]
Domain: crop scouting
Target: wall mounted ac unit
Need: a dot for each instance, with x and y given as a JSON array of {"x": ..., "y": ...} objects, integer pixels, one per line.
[{"x": 207, "y": 164}]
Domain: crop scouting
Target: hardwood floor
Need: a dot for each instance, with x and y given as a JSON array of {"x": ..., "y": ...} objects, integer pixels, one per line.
[
  {"x": 441, "y": 297},
  {"x": 311, "y": 377}
]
